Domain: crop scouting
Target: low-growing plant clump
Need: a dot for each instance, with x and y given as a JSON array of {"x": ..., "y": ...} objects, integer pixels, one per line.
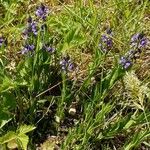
[{"x": 74, "y": 75}]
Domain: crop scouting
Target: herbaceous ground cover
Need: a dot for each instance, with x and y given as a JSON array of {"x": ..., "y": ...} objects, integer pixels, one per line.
[{"x": 75, "y": 75}]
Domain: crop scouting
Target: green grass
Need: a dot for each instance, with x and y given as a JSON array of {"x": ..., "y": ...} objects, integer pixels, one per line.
[{"x": 98, "y": 104}]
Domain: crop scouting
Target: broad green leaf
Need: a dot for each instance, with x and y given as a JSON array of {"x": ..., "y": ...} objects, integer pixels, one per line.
[
  {"x": 9, "y": 100},
  {"x": 8, "y": 137},
  {"x": 7, "y": 84},
  {"x": 25, "y": 129},
  {"x": 24, "y": 139},
  {"x": 129, "y": 124}
]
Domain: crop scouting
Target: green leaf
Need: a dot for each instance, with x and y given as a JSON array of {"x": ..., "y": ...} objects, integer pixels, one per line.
[
  {"x": 129, "y": 124},
  {"x": 11, "y": 136},
  {"x": 8, "y": 137},
  {"x": 24, "y": 139},
  {"x": 7, "y": 84},
  {"x": 137, "y": 138},
  {"x": 9, "y": 100},
  {"x": 25, "y": 129},
  {"x": 4, "y": 122}
]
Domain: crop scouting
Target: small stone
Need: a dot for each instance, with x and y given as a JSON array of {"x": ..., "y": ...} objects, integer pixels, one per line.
[
  {"x": 93, "y": 81},
  {"x": 72, "y": 111},
  {"x": 57, "y": 119}
]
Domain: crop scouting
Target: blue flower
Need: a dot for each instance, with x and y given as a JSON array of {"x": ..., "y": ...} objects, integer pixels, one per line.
[
  {"x": 106, "y": 42},
  {"x": 63, "y": 64},
  {"x": 32, "y": 28},
  {"x": 143, "y": 42},
  {"x": 71, "y": 66},
  {"x": 42, "y": 12},
  {"x": 27, "y": 48},
  {"x": 135, "y": 37},
  {"x": 125, "y": 63},
  {"x": 48, "y": 48},
  {"x": 67, "y": 64},
  {"x": 1, "y": 41},
  {"x": 138, "y": 40}
]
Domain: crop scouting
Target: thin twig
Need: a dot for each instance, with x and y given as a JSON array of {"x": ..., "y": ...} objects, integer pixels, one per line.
[{"x": 49, "y": 89}]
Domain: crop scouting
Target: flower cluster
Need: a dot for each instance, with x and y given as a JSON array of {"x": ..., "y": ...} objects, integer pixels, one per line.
[
  {"x": 106, "y": 42},
  {"x": 2, "y": 41},
  {"x": 48, "y": 48},
  {"x": 138, "y": 42},
  {"x": 125, "y": 62},
  {"x": 42, "y": 12},
  {"x": 32, "y": 29},
  {"x": 67, "y": 64},
  {"x": 27, "y": 48}
]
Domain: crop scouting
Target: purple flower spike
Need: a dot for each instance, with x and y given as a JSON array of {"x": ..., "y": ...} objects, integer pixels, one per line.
[
  {"x": 42, "y": 12},
  {"x": 135, "y": 38},
  {"x": 138, "y": 40},
  {"x": 27, "y": 48},
  {"x": 1, "y": 41},
  {"x": 51, "y": 49},
  {"x": 48, "y": 48},
  {"x": 123, "y": 60},
  {"x": 32, "y": 28},
  {"x": 143, "y": 43},
  {"x": 31, "y": 47},
  {"x": 71, "y": 66},
  {"x": 109, "y": 43},
  {"x": 104, "y": 38},
  {"x": 66, "y": 64},
  {"x": 63, "y": 64},
  {"x": 125, "y": 63},
  {"x": 106, "y": 42}
]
